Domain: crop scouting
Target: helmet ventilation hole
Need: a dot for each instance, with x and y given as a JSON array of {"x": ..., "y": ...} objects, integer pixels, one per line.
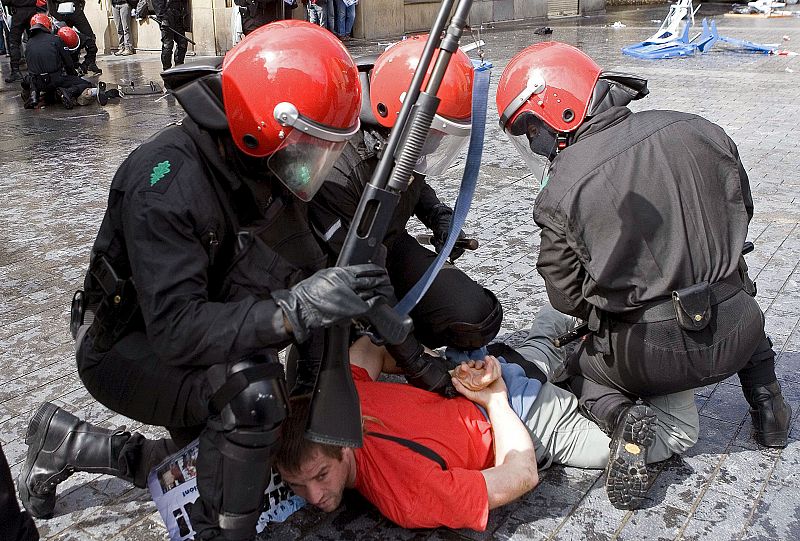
[
  {"x": 250, "y": 141},
  {"x": 568, "y": 115},
  {"x": 382, "y": 110}
]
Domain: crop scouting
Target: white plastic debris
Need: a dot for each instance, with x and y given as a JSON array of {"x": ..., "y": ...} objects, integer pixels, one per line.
[
  {"x": 618, "y": 24},
  {"x": 789, "y": 70}
]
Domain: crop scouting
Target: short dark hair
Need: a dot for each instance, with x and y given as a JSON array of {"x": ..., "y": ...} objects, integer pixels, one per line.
[{"x": 294, "y": 449}]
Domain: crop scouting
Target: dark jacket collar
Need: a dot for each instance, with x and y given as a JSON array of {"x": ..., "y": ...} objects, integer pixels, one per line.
[
  {"x": 600, "y": 122},
  {"x": 208, "y": 146}
]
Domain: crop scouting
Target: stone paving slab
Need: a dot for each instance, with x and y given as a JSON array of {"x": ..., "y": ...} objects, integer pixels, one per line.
[{"x": 56, "y": 165}]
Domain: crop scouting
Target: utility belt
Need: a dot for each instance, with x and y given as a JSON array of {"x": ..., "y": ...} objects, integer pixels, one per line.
[
  {"x": 114, "y": 307},
  {"x": 691, "y": 306},
  {"x": 41, "y": 81}
]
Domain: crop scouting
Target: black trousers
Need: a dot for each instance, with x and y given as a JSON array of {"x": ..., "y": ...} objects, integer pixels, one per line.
[
  {"x": 15, "y": 525},
  {"x": 652, "y": 359},
  {"x": 453, "y": 297},
  {"x": 79, "y": 21},
  {"x": 131, "y": 379},
  {"x": 258, "y": 14},
  {"x": 177, "y": 39},
  {"x": 20, "y": 22}
]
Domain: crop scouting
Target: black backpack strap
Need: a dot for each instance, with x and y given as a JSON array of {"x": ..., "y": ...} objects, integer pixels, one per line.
[
  {"x": 511, "y": 355},
  {"x": 418, "y": 448}
]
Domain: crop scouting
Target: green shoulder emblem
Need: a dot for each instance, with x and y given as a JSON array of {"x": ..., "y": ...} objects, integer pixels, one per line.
[{"x": 159, "y": 172}]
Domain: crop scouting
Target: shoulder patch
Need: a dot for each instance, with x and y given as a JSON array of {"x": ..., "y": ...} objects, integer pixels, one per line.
[{"x": 160, "y": 170}]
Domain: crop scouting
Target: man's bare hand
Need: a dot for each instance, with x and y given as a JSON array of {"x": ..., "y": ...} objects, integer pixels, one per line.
[
  {"x": 489, "y": 371},
  {"x": 475, "y": 375}
]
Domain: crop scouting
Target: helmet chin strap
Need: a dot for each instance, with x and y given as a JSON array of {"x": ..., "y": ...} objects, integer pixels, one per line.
[{"x": 561, "y": 141}]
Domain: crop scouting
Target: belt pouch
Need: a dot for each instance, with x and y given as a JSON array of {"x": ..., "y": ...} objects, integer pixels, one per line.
[{"x": 693, "y": 306}]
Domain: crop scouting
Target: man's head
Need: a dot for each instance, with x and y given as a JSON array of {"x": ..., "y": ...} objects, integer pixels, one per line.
[
  {"x": 544, "y": 94},
  {"x": 41, "y": 21},
  {"x": 318, "y": 473},
  {"x": 389, "y": 81},
  {"x": 69, "y": 37},
  {"x": 288, "y": 96},
  {"x": 548, "y": 90}
]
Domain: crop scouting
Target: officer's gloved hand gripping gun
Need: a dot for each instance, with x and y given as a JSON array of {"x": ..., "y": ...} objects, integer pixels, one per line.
[{"x": 335, "y": 411}]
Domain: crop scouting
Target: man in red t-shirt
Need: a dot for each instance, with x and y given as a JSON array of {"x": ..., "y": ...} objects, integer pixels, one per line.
[
  {"x": 428, "y": 461},
  {"x": 462, "y": 463}
]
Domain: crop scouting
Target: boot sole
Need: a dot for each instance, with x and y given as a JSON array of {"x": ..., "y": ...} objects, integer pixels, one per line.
[
  {"x": 40, "y": 506},
  {"x": 627, "y": 477}
]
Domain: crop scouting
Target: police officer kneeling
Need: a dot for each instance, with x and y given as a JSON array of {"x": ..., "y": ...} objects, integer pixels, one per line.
[
  {"x": 50, "y": 67},
  {"x": 203, "y": 268},
  {"x": 643, "y": 221}
]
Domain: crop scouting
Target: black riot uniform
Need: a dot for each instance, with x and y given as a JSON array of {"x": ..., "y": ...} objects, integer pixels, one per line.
[
  {"x": 79, "y": 21},
  {"x": 201, "y": 260},
  {"x": 175, "y": 20},
  {"x": 643, "y": 220},
  {"x": 50, "y": 71},
  {"x": 256, "y": 13},
  {"x": 22, "y": 11},
  {"x": 456, "y": 311}
]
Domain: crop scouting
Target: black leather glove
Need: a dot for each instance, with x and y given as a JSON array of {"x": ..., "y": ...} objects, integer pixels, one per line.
[
  {"x": 437, "y": 217},
  {"x": 430, "y": 373},
  {"x": 331, "y": 295},
  {"x": 441, "y": 217}
]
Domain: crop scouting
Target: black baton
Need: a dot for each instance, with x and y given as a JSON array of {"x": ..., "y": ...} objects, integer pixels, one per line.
[
  {"x": 464, "y": 244},
  {"x": 564, "y": 339}
]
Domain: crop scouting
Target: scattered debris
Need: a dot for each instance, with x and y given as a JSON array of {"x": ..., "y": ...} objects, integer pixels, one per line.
[
  {"x": 672, "y": 38},
  {"x": 760, "y": 8},
  {"x": 543, "y": 31},
  {"x": 789, "y": 70},
  {"x": 618, "y": 24}
]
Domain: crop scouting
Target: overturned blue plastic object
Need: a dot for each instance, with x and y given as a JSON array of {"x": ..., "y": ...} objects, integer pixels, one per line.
[
  {"x": 650, "y": 50},
  {"x": 749, "y": 46},
  {"x": 708, "y": 38}
]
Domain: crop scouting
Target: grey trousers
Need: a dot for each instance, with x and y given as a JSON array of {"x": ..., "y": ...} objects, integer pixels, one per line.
[
  {"x": 562, "y": 435},
  {"x": 122, "y": 18}
]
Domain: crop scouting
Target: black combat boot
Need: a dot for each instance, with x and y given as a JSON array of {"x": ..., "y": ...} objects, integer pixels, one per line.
[
  {"x": 770, "y": 413},
  {"x": 59, "y": 444},
  {"x": 92, "y": 67},
  {"x": 14, "y": 76},
  {"x": 626, "y": 474},
  {"x": 65, "y": 98}
]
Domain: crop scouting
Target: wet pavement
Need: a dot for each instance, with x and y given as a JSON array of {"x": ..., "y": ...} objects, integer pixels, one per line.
[{"x": 56, "y": 165}]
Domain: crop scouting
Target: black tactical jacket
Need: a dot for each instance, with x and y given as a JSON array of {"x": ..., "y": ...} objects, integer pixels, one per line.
[
  {"x": 334, "y": 206},
  {"x": 202, "y": 254},
  {"x": 45, "y": 53},
  {"x": 639, "y": 205}
]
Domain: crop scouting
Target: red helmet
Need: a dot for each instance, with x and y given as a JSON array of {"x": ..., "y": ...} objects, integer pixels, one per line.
[
  {"x": 544, "y": 90},
  {"x": 452, "y": 124},
  {"x": 69, "y": 37},
  {"x": 291, "y": 93},
  {"x": 41, "y": 21}
]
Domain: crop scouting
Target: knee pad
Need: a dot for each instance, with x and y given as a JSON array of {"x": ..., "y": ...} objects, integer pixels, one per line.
[
  {"x": 468, "y": 336},
  {"x": 249, "y": 396},
  {"x": 248, "y": 405}
]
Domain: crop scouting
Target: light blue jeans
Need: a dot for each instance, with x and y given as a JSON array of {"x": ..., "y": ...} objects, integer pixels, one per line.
[{"x": 345, "y": 18}]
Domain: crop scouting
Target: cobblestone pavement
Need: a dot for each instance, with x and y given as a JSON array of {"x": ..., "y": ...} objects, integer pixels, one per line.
[{"x": 57, "y": 165}]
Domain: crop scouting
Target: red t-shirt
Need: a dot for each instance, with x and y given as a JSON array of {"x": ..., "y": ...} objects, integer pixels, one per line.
[{"x": 408, "y": 488}]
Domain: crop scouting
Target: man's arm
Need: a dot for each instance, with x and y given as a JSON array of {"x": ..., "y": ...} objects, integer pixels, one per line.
[
  {"x": 374, "y": 359},
  {"x": 562, "y": 271},
  {"x": 514, "y": 472}
]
